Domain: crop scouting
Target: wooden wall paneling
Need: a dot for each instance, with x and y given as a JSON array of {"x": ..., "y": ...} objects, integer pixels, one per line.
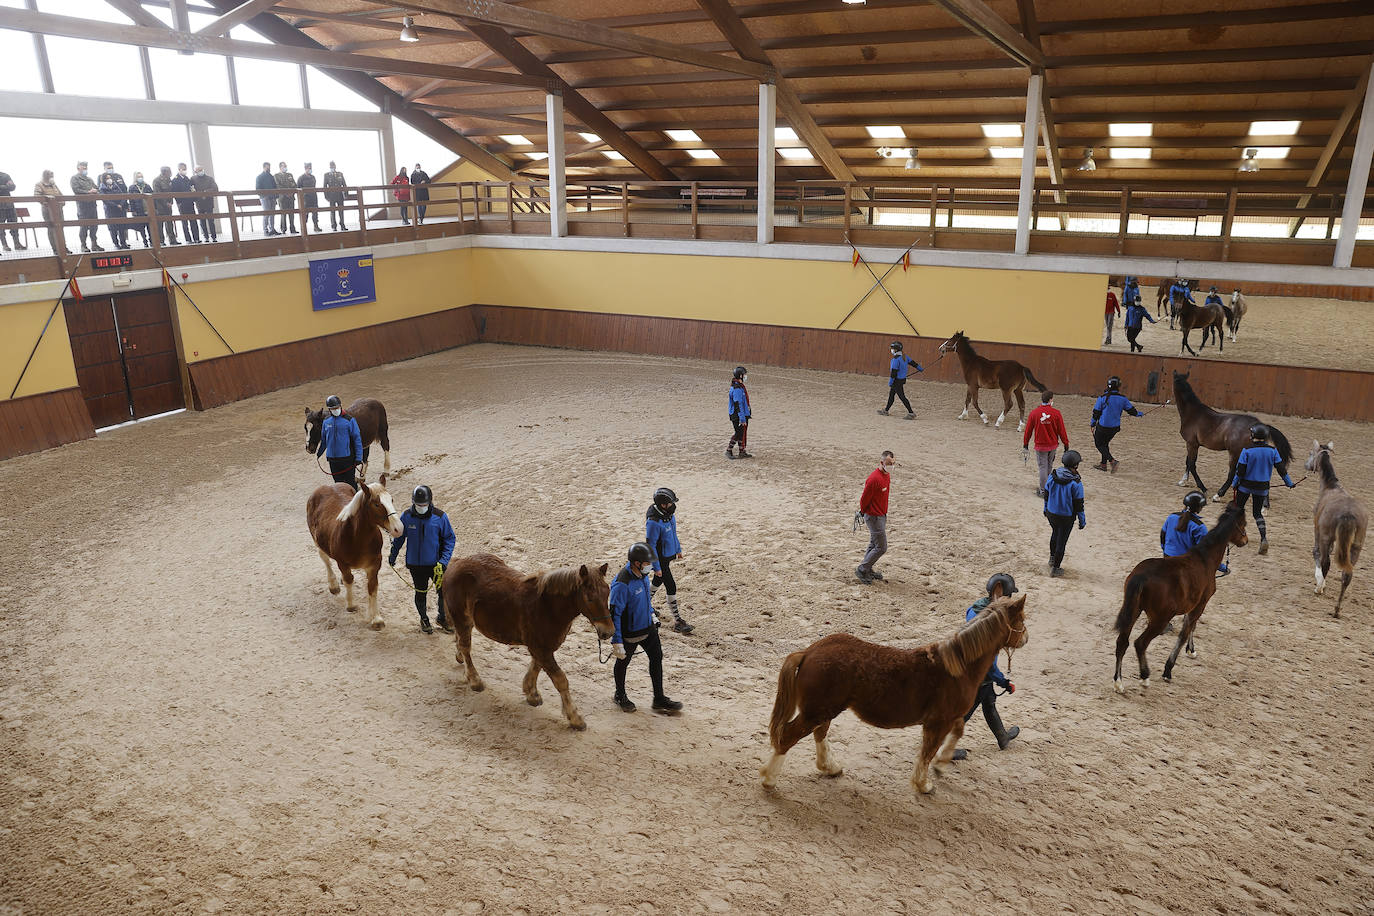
[{"x": 41, "y": 421}]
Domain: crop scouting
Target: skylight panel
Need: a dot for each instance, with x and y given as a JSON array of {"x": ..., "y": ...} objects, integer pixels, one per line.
[
  {"x": 517, "y": 139},
  {"x": 590, "y": 138},
  {"x": 885, "y": 132},
  {"x": 1274, "y": 128},
  {"x": 536, "y": 155},
  {"x": 1130, "y": 152},
  {"x": 1272, "y": 152},
  {"x": 612, "y": 154},
  {"x": 683, "y": 136},
  {"x": 1001, "y": 130},
  {"x": 702, "y": 154},
  {"x": 793, "y": 152},
  {"x": 1131, "y": 130},
  {"x": 785, "y": 133},
  {"x": 1005, "y": 152}
]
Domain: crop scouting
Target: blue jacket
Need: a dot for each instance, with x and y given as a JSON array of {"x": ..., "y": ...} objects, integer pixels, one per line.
[
  {"x": 1176, "y": 543},
  {"x": 631, "y": 612},
  {"x": 266, "y": 182},
  {"x": 340, "y": 438},
  {"x": 1179, "y": 291},
  {"x": 1131, "y": 289},
  {"x": 994, "y": 673},
  {"x": 661, "y": 535},
  {"x": 428, "y": 538},
  {"x": 738, "y": 401},
  {"x": 1137, "y": 315},
  {"x": 1064, "y": 494},
  {"x": 1255, "y": 466},
  {"x": 1213, "y": 299},
  {"x": 899, "y": 368},
  {"x": 1107, "y": 410}
]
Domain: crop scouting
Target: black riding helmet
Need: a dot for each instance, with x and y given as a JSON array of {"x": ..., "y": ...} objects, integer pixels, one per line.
[
  {"x": 332, "y": 401},
  {"x": 1005, "y": 580},
  {"x": 666, "y": 501},
  {"x": 421, "y": 498},
  {"x": 640, "y": 552},
  {"x": 1259, "y": 433},
  {"x": 896, "y": 345},
  {"x": 1072, "y": 459},
  {"x": 740, "y": 372},
  {"x": 1194, "y": 501},
  {"x": 1114, "y": 383}
]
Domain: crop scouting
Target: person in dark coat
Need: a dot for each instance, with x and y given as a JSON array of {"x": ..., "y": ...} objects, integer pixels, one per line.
[
  {"x": 632, "y": 614},
  {"x": 111, "y": 182},
  {"x": 341, "y": 443},
  {"x": 138, "y": 205},
  {"x": 428, "y": 539},
  {"x": 186, "y": 204},
  {"x": 206, "y": 187},
  {"x": 312, "y": 200},
  {"x": 418, "y": 180},
  {"x": 334, "y": 184},
  {"x": 1063, "y": 500},
  {"x": 897, "y": 371},
  {"x": 1107, "y": 411},
  {"x": 7, "y": 212},
  {"x": 266, "y": 186},
  {"x": 660, "y": 533},
  {"x": 162, "y": 207},
  {"x": 83, "y": 185},
  {"x": 1001, "y": 585}
]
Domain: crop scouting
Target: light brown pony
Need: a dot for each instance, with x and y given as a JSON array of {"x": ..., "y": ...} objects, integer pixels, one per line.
[
  {"x": 536, "y": 612},
  {"x": 891, "y": 688},
  {"x": 1339, "y": 522},
  {"x": 1165, "y": 587},
  {"x": 1162, "y": 295},
  {"x": 1211, "y": 318},
  {"x": 372, "y": 427},
  {"x": 1238, "y": 310},
  {"x": 980, "y": 372},
  {"x": 347, "y": 528}
]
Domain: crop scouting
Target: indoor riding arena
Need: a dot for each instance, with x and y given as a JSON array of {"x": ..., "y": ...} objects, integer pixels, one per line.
[{"x": 645, "y": 331}]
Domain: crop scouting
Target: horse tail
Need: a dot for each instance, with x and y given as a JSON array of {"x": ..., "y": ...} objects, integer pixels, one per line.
[
  {"x": 1347, "y": 530},
  {"x": 1230, "y": 315},
  {"x": 1281, "y": 444},
  {"x": 786, "y": 702},
  {"x": 1130, "y": 605},
  {"x": 1030, "y": 377}
]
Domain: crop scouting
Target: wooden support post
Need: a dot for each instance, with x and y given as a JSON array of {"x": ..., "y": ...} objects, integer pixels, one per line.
[
  {"x": 801, "y": 203},
  {"x": 362, "y": 219},
  {"x": 934, "y": 211},
  {"x": 233, "y": 225},
  {"x": 1125, "y": 220},
  {"x": 848, "y": 200},
  {"x": 696, "y": 227},
  {"x": 625, "y": 206},
  {"x": 1226, "y": 222}
]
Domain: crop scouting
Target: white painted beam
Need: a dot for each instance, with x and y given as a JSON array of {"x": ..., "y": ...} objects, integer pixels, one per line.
[
  {"x": 768, "y": 167},
  {"x": 1034, "y": 87},
  {"x": 1358, "y": 181},
  {"x": 557, "y": 161},
  {"x": 90, "y": 108}
]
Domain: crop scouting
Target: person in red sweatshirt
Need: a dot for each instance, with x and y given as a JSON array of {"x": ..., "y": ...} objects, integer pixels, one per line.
[
  {"x": 1047, "y": 424},
  {"x": 873, "y": 508},
  {"x": 1113, "y": 309}
]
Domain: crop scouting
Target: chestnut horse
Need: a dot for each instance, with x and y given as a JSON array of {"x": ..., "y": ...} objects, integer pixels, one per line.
[
  {"x": 1162, "y": 295},
  {"x": 1202, "y": 427},
  {"x": 1165, "y": 587},
  {"x": 1339, "y": 522},
  {"x": 1237, "y": 312},
  {"x": 371, "y": 416},
  {"x": 347, "y": 528},
  {"x": 980, "y": 372},
  {"x": 1211, "y": 318},
  {"x": 891, "y": 688},
  {"x": 536, "y": 612}
]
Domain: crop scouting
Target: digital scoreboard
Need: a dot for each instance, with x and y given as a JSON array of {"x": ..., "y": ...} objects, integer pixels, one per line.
[{"x": 112, "y": 261}]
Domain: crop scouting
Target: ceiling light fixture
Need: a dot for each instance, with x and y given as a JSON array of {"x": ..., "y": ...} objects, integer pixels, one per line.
[
  {"x": 1274, "y": 128},
  {"x": 794, "y": 152},
  {"x": 1088, "y": 164},
  {"x": 855, "y": 2},
  {"x": 911, "y": 161},
  {"x": 1130, "y": 152},
  {"x": 785, "y": 133},
  {"x": 683, "y": 136},
  {"x": 1249, "y": 165},
  {"x": 517, "y": 139},
  {"x": 408, "y": 32}
]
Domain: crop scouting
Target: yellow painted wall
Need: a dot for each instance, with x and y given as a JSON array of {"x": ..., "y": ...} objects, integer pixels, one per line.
[
  {"x": 1028, "y": 307},
  {"x": 52, "y": 368},
  {"x": 269, "y": 309}
]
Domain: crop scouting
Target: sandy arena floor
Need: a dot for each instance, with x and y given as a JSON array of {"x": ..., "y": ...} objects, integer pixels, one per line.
[
  {"x": 1289, "y": 331},
  {"x": 191, "y": 723}
]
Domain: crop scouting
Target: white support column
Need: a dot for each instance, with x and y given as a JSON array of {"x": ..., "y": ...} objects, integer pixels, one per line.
[
  {"x": 199, "y": 132},
  {"x": 768, "y": 120},
  {"x": 1357, "y": 183},
  {"x": 558, "y": 183},
  {"x": 388, "y": 144},
  {"x": 1029, "y": 134}
]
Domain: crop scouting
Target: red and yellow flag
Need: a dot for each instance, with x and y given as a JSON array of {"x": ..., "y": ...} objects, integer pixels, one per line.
[
  {"x": 166, "y": 279},
  {"x": 76, "y": 290},
  {"x": 856, "y": 257},
  {"x": 906, "y": 261}
]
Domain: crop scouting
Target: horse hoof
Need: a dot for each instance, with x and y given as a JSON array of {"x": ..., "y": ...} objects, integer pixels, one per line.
[
  {"x": 1168, "y": 678},
  {"x": 1144, "y": 683},
  {"x": 535, "y": 700},
  {"x": 768, "y": 781},
  {"x": 1190, "y": 653},
  {"x": 1116, "y": 682},
  {"x": 832, "y": 771},
  {"x": 578, "y": 724},
  {"x": 352, "y": 609},
  {"x": 926, "y": 787},
  {"x": 334, "y": 590},
  {"x": 377, "y": 624},
  {"x": 1020, "y": 427},
  {"x": 477, "y": 686}
]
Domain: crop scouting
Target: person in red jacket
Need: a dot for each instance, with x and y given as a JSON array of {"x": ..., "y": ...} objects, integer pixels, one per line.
[
  {"x": 1113, "y": 309},
  {"x": 401, "y": 188},
  {"x": 1047, "y": 423},
  {"x": 873, "y": 508}
]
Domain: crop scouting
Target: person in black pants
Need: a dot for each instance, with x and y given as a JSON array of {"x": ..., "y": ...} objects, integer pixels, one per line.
[
  {"x": 632, "y": 615},
  {"x": 1107, "y": 421},
  {"x": 1063, "y": 500},
  {"x": 896, "y": 380},
  {"x": 428, "y": 538},
  {"x": 1001, "y": 585}
]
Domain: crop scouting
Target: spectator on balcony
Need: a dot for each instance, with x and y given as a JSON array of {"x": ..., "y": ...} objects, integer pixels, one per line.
[
  {"x": 83, "y": 185},
  {"x": 138, "y": 205},
  {"x": 285, "y": 181},
  {"x": 7, "y": 212},
  {"x": 419, "y": 178},
  {"x": 47, "y": 189},
  {"x": 334, "y": 179},
  {"x": 400, "y": 186},
  {"x": 206, "y": 186},
  {"x": 111, "y": 182},
  {"x": 269, "y": 201},
  {"x": 162, "y": 206},
  {"x": 186, "y": 204},
  {"x": 312, "y": 210}
]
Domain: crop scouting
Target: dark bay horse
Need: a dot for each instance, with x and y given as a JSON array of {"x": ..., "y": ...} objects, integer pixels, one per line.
[
  {"x": 347, "y": 528},
  {"x": 371, "y": 416},
  {"x": 1339, "y": 522},
  {"x": 932, "y": 686},
  {"x": 1202, "y": 427},
  {"x": 1165, "y": 587},
  {"x": 1211, "y": 318},
  {"x": 980, "y": 372},
  {"x": 536, "y": 612}
]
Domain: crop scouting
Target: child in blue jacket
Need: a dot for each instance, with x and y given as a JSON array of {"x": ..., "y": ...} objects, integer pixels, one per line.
[
  {"x": 898, "y": 369},
  {"x": 737, "y": 403},
  {"x": 1001, "y": 585},
  {"x": 1136, "y": 316},
  {"x": 1063, "y": 500},
  {"x": 341, "y": 443},
  {"x": 660, "y": 533},
  {"x": 1182, "y": 531},
  {"x": 1254, "y": 469},
  {"x": 1106, "y": 423},
  {"x": 632, "y": 615},
  {"x": 429, "y": 541}
]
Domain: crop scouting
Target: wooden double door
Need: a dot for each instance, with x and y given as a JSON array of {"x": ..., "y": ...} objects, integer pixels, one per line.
[{"x": 126, "y": 358}]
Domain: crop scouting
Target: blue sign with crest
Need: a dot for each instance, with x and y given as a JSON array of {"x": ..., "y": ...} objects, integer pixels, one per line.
[{"x": 336, "y": 282}]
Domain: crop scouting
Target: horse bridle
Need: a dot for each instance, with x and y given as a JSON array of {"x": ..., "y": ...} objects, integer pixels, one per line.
[{"x": 1011, "y": 629}]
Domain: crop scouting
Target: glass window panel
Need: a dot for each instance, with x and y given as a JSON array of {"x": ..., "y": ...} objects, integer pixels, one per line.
[
  {"x": 81, "y": 67},
  {"x": 21, "y": 62},
  {"x": 189, "y": 78},
  {"x": 413, "y": 146},
  {"x": 97, "y": 10},
  {"x": 241, "y": 151},
  {"x": 328, "y": 93},
  {"x": 268, "y": 82},
  {"x": 57, "y": 145}
]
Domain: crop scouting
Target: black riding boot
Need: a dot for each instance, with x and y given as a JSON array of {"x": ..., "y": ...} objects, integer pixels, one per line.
[{"x": 1003, "y": 735}]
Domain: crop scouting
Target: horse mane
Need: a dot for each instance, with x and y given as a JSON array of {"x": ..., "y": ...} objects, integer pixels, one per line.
[
  {"x": 1281, "y": 444},
  {"x": 974, "y": 639},
  {"x": 1327, "y": 469},
  {"x": 557, "y": 581},
  {"x": 1234, "y": 514},
  {"x": 355, "y": 503},
  {"x": 1184, "y": 392}
]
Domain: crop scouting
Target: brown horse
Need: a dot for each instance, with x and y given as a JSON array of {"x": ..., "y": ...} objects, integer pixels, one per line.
[
  {"x": 1211, "y": 318},
  {"x": 536, "y": 612},
  {"x": 1162, "y": 295},
  {"x": 1237, "y": 312},
  {"x": 371, "y": 416},
  {"x": 1165, "y": 587},
  {"x": 1339, "y": 521},
  {"x": 347, "y": 528},
  {"x": 891, "y": 688},
  {"x": 1201, "y": 426},
  {"x": 980, "y": 372}
]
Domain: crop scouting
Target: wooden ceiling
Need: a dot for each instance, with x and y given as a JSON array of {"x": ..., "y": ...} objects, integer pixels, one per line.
[{"x": 1197, "y": 75}]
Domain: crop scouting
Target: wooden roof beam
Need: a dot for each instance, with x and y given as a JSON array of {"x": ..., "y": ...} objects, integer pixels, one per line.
[
  {"x": 237, "y": 16},
  {"x": 135, "y": 11},
  {"x": 980, "y": 19},
  {"x": 1187, "y": 116},
  {"x": 1339, "y": 130},
  {"x": 1228, "y": 18},
  {"x": 1030, "y": 27},
  {"x": 1215, "y": 55}
]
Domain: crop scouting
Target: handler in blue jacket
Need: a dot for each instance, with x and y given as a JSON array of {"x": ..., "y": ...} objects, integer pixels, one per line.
[
  {"x": 632, "y": 615},
  {"x": 1254, "y": 469},
  {"x": 429, "y": 540},
  {"x": 1136, "y": 316},
  {"x": 660, "y": 533},
  {"x": 1063, "y": 500},
  {"x": 1182, "y": 531},
  {"x": 898, "y": 370},
  {"x": 737, "y": 403},
  {"x": 1107, "y": 421},
  {"x": 341, "y": 443},
  {"x": 999, "y": 586}
]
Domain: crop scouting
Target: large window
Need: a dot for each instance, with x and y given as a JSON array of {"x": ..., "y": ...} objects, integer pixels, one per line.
[
  {"x": 21, "y": 63},
  {"x": 241, "y": 151},
  {"x": 413, "y": 146},
  {"x": 40, "y": 144},
  {"x": 327, "y": 92},
  {"x": 190, "y": 78}
]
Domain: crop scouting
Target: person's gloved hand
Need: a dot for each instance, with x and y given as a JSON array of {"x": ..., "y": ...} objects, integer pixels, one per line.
[
  {"x": 656, "y": 581},
  {"x": 391, "y": 561},
  {"x": 920, "y": 368},
  {"x": 1290, "y": 484},
  {"x": 1082, "y": 523},
  {"x": 617, "y": 650},
  {"x": 658, "y": 621},
  {"x": 1011, "y": 688}
]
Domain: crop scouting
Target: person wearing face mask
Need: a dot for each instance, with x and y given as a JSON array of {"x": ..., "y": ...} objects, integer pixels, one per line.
[
  {"x": 660, "y": 533},
  {"x": 419, "y": 178},
  {"x": 312, "y": 200},
  {"x": 265, "y": 183},
  {"x": 873, "y": 508},
  {"x": 206, "y": 186},
  {"x": 285, "y": 181},
  {"x": 138, "y": 205},
  {"x": 334, "y": 184},
  {"x": 47, "y": 189},
  {"x": 632, "y": 615},
  {"x": 1002, "y": 585},
  {"x": 429, "y": 541},
  {"x": 82, "y": 186},
  {"x": 898, "y": 370},
  {"x": 186, "y": 204},
  {"x": 737, "y": 402},
  {"x": 400, "y": 186},
  {"x": 111, "y": 182},
  {"x": 7, "y": 212},
  {"x": 1063, "y": 500},
  {"x": 341, "y": 443},
  {"x": 162, "y": 207}
]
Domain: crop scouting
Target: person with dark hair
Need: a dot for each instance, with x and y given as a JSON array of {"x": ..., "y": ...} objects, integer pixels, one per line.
[
  {"x": 186, "y": 205},
  {"x": 1107, "y": 421},
  {"x": 312, "y": 198},
  {"x": 162, "y": 207},
  {"x": 429, "y": 541},
  {"x": 419, "y": 180},
  {"x": 898, "y": 370},
  {"x": 1113, "y": 309},
  {"x": 873, "y": 510},
  {"x": 334, "y": 184},
  {"x": 400, "y": 186},
  {"x": 341, "y": 443},
  {"x": 83, "y": 185},
  {"x": 1254, "y": 470},
  {"x": 1063, "y": 500},
  {"x": 1136, "y": 316},
  {"x": 206, "y": 187},
  {"x": 1182, "y": 531},
  {"x": 632, "y": 615},
  {"x": 266, "y": 187},
  {"x": 1046, "y": 423},
  {"x": 111, "y": 182},
  {"x": 737, "y": 402},
  {"x": 1001, "y": 585},
  {"x": 660, "y": 533}
]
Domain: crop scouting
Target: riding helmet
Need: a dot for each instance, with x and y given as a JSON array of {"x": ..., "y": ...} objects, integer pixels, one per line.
[
  {"x": 1259, "y": 433},
  {"x": 1006, "y": 581},
  {"x": 740, "y": 371},
  {"x": 422, "y": 496},
  {"x": 1114, "y": 383},
  {"x": 896, "y": 345},
  {"x": 332, "y": 401},
  {"x": 1071, "y": 459},
  {"x": 641, "y": 552},
  {"x": 1194, "y": 501},
  {"x": 666, "y": 500},
  {"x": 1214, "y": 289}
]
